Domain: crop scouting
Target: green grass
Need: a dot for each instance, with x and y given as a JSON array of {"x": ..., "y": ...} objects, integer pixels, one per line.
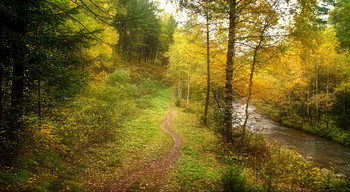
[
  {"x": 110, "y": 128},
  {"x": 140, "y": 103},
  {"x": 197, "y": 168},
  {"x": 207, "y": 164},
  {"x": 142, "y": 135}
]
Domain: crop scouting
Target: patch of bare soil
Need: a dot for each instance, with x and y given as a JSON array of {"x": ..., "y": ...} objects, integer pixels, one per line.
[{"x": 157, "y": 170}]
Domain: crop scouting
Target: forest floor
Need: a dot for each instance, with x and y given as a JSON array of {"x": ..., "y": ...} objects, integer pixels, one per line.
[
  {"x": 159, "y": 146},
  {"x": 126, "y": 133},
  {"x": 164, "y": 147},
  {"x": 157, "y": 170}
]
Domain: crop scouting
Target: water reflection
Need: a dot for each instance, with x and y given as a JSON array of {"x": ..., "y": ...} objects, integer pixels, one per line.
[{"x": 326, "y": 153}]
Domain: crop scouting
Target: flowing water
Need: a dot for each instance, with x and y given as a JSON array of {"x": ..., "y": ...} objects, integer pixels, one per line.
[{"x": 325, "y": 152}]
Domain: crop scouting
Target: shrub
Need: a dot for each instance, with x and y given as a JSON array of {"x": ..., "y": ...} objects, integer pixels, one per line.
[
  {"x": 232, "y": 180},
  {"x": 120, "y": 75},
  {"x": 178, "y": 102},
  {"x": 218, "y": 118}
]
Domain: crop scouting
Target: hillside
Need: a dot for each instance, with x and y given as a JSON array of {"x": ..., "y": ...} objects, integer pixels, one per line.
[{"x": 106, "y": 95}]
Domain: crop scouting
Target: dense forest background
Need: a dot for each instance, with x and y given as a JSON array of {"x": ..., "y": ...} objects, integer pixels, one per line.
[
  {"x": 51, "y": 50},
  {"x": 77, "y": 77},
  {"x": 291, "y": 59}
]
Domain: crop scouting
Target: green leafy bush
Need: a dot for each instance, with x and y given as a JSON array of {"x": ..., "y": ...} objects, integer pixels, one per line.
[
  {"x": 120, "y": 75},
  {"x": 232, "y": 180},
  {"x": 178, "y": 102}
]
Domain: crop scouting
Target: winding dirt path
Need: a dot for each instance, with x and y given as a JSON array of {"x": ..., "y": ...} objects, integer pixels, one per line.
[{"x": 156, "y": 168}]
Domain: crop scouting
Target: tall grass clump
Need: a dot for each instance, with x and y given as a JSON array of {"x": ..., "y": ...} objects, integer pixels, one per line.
[
  {"x": 232, "y": 180},
  {"x": 271, "y": 167}
]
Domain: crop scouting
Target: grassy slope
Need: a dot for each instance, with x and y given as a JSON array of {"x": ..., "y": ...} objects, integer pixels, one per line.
[
  {"x": 203, "y": 162},
  {"x": 140, "y": 139},
  {"x": 111, "y": 128},
  {"x": 199, "y": 168},
  {"x": 205, "y": 165}
]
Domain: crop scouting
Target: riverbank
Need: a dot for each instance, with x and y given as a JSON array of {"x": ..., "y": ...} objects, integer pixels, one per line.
[
  {"x": 324, "y": 152},
  {"x": 208, "y": 164},
  {"x": 333, "y": 132}
]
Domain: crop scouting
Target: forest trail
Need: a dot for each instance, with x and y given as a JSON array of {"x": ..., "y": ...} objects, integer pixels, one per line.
[{"x": 157, "y": 169}]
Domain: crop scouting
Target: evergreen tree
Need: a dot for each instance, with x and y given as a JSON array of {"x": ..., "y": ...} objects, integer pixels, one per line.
[{"x": 340, "y": 18}]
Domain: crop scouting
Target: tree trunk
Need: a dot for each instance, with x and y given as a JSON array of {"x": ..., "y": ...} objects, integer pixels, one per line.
[
  {"x": 251, "y": 86},
  {"x": 1, "y": 105},
  {"x": 208, "y": 74},
  {"x": 308, "y": 104},
  {"x": 155, "y": 60},
  {"x": 17, "y": 89},
  {"x": 327, "y": 112},
  {"x": 316, "y": 84},
  {"x": 39, "y": 100},
  {"x": 231, "y": 56},
  {"x": 188, "y": 85},
  {"x": 344, "y": 103},
  {"x": 178, "y": 87},
  {"x": 17, "y": 84},
  {"x": 140, "y": 56},
  {"x": 216, "y": 99},
  {"x": 130, "y": 53}
]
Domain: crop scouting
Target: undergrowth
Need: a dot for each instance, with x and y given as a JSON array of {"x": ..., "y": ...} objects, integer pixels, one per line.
[
  {"x": 198, "y": 168},
  {"x": 332, "y": 131},
  {"x": 209, "y": 164},
  {"x": 271, "y": 167},
  {"x": 110, "y": 128}
]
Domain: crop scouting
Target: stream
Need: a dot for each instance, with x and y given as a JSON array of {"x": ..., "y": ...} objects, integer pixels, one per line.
[{"x": 324, "y": 152}]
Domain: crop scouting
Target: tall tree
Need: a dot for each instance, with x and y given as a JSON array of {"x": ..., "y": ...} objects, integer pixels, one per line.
[
  {"x": 44, "y": 51},
  {"x": 208, "y": 69},
  {"x": 265, "y": 19},
  {"x": 204, "y": 8},
  {"x": 340, "y": 18},
  {"x": 139, "y": 28},
  {"x": 186, "y": 62},
  {"x": 168, "y": 26},
  {"x": 231, "y": 58}
]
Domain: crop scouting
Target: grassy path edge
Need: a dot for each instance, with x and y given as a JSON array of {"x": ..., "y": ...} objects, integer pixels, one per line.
[{"x": 158, "y": 167}]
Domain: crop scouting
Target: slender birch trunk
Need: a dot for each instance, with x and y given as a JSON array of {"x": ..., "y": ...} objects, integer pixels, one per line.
[
  {"x": 155, "y": 60},
  {"x": 208, "y": 73},
  {"x": 188, "y": 85},
  {"x": 251, "y": 85}
]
